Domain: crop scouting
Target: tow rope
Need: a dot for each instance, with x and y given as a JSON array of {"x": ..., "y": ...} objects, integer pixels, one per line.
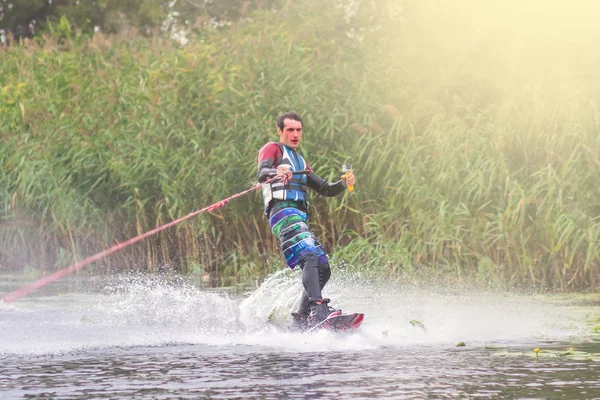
[{"x": 77, "y": 266}]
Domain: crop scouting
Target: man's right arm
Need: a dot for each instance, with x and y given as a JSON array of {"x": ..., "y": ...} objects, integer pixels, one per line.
[{"x": 268, "y": 158}]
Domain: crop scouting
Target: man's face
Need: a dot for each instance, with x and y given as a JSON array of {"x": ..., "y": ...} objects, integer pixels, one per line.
[{"x": 291, "y": 133}]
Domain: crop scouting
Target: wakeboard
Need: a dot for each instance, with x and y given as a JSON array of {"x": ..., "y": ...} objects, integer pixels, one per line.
[{"x": 340, "y": 322}]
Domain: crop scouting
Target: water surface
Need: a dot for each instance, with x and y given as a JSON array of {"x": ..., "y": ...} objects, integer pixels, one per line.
[{"x": 153, "y": 338}]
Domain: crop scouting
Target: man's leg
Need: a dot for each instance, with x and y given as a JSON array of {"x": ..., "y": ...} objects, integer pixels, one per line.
[
  {"x": 324, "y": 273},
  {"x": 313, "y": 280},
  {"x": 310, "y": 275},
  {"x": 301, "y": 247}
]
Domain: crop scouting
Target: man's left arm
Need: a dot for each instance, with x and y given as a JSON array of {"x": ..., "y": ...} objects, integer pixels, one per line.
[{"x": 324, "y": 188}]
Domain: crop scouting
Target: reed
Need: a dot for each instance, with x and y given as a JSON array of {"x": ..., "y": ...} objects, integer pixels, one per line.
[{"x": 103, "y": 139}]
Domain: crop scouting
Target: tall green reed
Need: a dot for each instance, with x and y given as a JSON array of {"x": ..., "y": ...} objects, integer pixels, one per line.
[{"x": 107, "y": 138}]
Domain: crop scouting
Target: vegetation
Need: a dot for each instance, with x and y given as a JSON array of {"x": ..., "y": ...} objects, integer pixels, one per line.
[
  {"x": 475, "y": 153},
  {"x": 33, "y": 18}
]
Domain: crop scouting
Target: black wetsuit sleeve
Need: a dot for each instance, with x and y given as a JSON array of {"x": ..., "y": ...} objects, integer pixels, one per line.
[
  {"x": 324, "y": 188},
  {"x": 266, "y": 170},
  {"x": 268, "y": 156}
]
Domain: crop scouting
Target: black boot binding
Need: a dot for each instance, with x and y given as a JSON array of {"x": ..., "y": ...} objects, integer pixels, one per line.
[{"x": 320, "y": 312}]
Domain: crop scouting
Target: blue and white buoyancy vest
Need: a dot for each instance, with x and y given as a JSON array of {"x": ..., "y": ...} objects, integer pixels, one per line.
[{"x": 295, "y": 190}]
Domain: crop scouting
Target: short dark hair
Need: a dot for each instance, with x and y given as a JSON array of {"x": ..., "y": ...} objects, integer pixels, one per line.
[{"x": 288, "y": 115}]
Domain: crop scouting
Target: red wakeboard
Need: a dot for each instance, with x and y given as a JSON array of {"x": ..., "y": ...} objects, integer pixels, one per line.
[{"x": 340, "y": 322}]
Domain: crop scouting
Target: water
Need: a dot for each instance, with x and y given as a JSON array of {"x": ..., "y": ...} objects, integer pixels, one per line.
[{"x": 152, "y": 338}]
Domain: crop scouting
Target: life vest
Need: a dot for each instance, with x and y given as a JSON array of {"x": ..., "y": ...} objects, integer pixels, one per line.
[{"x": 295, "y": 190}]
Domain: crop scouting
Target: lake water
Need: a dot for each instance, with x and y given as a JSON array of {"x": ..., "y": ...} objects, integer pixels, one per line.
[{"x": 157, "y": 338}]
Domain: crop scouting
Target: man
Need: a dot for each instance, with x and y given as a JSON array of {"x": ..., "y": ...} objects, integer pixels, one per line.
[{"x": 286, "y": 203}]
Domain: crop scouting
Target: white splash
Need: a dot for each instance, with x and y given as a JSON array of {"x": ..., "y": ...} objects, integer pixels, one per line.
[{"x": 156, "y": 312}]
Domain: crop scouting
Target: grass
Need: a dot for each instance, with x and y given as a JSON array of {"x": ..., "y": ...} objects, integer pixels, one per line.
[{"x": 477, "y": 169}]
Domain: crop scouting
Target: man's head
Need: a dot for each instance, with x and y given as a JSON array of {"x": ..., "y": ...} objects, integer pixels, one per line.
[{"x": 289, "y": 127}]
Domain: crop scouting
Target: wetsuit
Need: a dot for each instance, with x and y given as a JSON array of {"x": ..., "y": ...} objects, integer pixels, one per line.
[{"x": 286, "y": 207}]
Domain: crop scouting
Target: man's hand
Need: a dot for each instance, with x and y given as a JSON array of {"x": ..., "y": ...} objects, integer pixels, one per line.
[
  {"x": 284, "y": 173},
  {"x": 349, "y": 179}
]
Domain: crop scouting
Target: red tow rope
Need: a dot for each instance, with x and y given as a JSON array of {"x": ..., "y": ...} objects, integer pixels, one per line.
[{"x": 77, "y": 266}]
